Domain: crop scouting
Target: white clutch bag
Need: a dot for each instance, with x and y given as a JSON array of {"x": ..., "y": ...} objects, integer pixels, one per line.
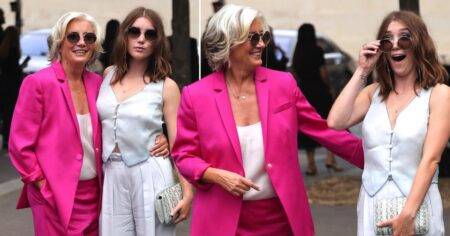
[
  {"x": 386, "y": 209},
  {"x": 166, "y": 200}
]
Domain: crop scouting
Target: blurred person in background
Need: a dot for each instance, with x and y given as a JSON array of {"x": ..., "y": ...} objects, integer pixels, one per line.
[
  {"x": 273, "y": 56},
  {"x": 112, "y": 28},
  {"x": 10, "y": 77},
  {"x": 308, "y": 67}
]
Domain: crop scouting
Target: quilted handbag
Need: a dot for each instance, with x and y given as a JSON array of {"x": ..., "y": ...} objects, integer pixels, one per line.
[
  {"x": 166, "y": 200},
  {"x": 386, "y": 209}
]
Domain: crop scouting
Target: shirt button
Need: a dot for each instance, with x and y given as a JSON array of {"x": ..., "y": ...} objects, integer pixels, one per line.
[
  {"x": 97, "y": 149},
  {"x": 79, "y": 157},
  {"x": 115, "y": 128},
  {"x": 269, "y": 166},
  {"x": 389, "y": 146}
]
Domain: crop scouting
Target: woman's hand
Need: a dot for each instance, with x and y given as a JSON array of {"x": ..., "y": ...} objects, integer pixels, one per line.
[
  {"x": 230, "y": 181},
  {"x": 368, "y": 56},
  {"x": 161, "y": 147},
  {"x": 402, "y": 225},
  {"x": 181, "y": 211}
]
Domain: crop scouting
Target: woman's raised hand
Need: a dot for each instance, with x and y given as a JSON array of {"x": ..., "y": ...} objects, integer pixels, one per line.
[{"x": 368, "y": 56}]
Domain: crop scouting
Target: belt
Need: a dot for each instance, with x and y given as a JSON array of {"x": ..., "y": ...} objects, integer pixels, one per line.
[{"x": 115, "y": 156}]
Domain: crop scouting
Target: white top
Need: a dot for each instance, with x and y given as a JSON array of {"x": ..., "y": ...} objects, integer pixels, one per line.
[
  {"x": 132, "y": 124},
  {"x": 88, "y": 170},
  {"x": 394, "y": 153},
  {"x": 252, "y": 149}
]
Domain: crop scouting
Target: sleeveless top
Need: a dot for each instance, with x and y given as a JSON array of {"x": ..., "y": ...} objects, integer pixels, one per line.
[
  {"x": 394, "y": 153},
  {"x": 88, "y": 170},
  {"x": 132, "y": 124},
  {"x": 252, "y": 147}
]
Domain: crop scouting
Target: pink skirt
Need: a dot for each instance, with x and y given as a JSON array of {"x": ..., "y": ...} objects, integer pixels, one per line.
[
  {"x": 263, "y": 217},
  {"x": 85, "y": 213}
]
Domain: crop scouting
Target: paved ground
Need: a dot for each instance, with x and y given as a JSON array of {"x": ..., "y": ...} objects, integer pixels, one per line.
[{"x": 329, "y": 220}]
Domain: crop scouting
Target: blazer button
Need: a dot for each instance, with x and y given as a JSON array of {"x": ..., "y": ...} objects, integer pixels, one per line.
[
  {"x": 269, "y": 166},
  {"x": 79, "y": 157}
]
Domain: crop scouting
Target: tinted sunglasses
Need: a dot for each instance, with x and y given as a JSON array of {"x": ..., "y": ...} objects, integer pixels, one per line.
[
  {"x": 74, "y": 37},
  {"x": 255, "y": 37},
  {"x": 404, "y": 43},
  {"x": 135, "y": 32}
]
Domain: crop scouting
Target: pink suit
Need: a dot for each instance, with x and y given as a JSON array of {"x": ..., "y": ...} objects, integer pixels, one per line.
[
  {"x": 45, "y": 144},
  {"x": 207, "y": 136}
]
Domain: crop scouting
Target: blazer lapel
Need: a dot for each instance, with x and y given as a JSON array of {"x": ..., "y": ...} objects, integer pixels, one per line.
[
  {"x": 262, "y": 93},
  {"x": 60, "y": 75},
  {"x": 91, "y": 95},
  {"x": 226, "y": 114}
]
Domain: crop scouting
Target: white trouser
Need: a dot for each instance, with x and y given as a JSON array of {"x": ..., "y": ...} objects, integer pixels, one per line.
[{"x": 128, "y": 197}]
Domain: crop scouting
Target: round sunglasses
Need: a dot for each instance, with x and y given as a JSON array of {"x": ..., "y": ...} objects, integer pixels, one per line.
[
  {"x": 74, "y": 38},
  {"x": 135, "y": 32},
  {"x": 255, "y": 37},
  {"x": 404, "y": 43}
]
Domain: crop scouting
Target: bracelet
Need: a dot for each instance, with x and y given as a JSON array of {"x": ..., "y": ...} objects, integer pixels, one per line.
[{"x": 364, "y": 77}]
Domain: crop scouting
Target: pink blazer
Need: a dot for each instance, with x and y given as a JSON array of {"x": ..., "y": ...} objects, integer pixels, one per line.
[
  {"x": 207, "y": 136},
  {"x": 45, "y": 138}
]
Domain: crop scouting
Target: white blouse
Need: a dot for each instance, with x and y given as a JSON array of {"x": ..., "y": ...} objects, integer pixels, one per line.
[
  {"x": 88, "y": 170},
  {"x": 252, "y": 149}
]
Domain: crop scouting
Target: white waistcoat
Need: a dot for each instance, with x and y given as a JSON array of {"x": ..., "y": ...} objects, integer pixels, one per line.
[{"x": 394, "y": 153}]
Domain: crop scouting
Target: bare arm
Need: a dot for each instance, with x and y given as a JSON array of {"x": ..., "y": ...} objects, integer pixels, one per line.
[
  {"x": 435, "y": 141},
  {"x": 171, "y": 98},
  {"x": 107, "y": 70},
  {"x": 353, "y": 103}
]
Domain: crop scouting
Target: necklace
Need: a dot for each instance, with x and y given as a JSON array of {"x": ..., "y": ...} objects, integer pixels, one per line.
[
  {"x": 124, "y": 89},
  {"x": 75, "y": 88},
  {"x": 236, "y": 95}
]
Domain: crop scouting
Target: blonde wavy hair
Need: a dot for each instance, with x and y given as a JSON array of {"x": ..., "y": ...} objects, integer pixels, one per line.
[
  {"x": 59, "y": 32},
  {"x": 227, "y": 28}
]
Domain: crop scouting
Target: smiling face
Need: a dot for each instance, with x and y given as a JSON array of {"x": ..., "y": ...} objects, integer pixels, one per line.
[
  {"x": 402, "y": 61},
  {"x": 248, "y": 56},
  {"x": 140, "y": 48},
  {"x": 77, "y": 53}
]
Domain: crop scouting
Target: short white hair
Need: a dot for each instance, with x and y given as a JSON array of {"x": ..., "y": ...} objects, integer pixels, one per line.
[
  {"x": 59, "y": 32},
  {"x": 227, "y": 28}
]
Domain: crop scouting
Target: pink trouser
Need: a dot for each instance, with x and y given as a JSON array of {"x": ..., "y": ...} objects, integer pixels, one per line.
[
  {"x": 84, "y": 219},
  {"x": 263, "y": 218}
]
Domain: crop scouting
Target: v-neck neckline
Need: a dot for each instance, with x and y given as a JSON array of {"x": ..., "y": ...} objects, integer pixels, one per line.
[
  {"x": 129, "y": 97},
  {"x": 392, "y": 127}
]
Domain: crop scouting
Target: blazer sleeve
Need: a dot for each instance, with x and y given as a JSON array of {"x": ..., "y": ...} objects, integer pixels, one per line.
[
  {"x": 186, "y": 149},
  {"x": 309, "y": 122},
  {"x": 25, "y": 126}
]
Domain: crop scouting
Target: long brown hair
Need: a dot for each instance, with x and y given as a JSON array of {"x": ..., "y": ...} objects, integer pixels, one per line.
[
  {"x": 429, "y": 71},
  {"x": 158, "y": 63}
]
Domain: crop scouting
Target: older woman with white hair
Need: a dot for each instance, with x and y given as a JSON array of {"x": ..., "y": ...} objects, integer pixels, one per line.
[
  {"x": 55, "y": 133},
  {"x": 237, "y": 134}
]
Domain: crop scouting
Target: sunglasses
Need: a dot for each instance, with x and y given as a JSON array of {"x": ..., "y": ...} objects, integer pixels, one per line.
[
  {"x": 387, "y": 43},
  {"x": 74, "y": 37},
  {"x": 255, "y": 37},
  {"x": 135, "y": 32}
]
